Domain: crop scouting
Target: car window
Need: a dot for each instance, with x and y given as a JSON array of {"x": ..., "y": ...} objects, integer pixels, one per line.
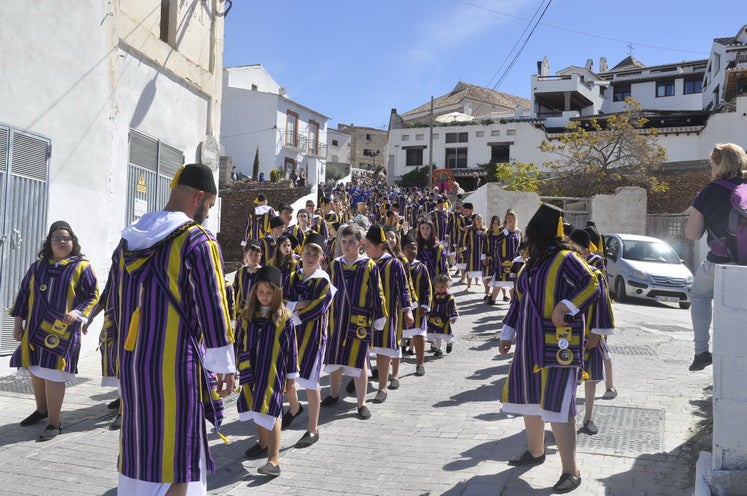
[
  {"x": 611, "y": 246},
  {"x": 650, "y": 251}
]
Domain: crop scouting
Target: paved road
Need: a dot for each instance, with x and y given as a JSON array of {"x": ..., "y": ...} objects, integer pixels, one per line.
[{"x": 439, "y": 434}]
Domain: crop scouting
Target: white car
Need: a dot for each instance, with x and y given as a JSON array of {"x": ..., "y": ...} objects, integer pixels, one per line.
[{"x": 647, "y": 268}]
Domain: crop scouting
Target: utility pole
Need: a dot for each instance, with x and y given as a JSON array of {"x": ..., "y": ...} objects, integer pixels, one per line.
[{"x": 430, "y": 151}]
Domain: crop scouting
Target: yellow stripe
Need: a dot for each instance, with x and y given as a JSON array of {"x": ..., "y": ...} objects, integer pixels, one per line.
[
  {"x": 552, "y": 275},
  {"x": 172, "y": 328},
  {"x": 272, "y": 376},
  {"x": 25, "y": 345},
  {"x": 587, "y": 293}
]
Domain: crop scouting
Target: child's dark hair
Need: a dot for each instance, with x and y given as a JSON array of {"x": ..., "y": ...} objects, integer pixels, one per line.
[{"x": 442, "y": 279}]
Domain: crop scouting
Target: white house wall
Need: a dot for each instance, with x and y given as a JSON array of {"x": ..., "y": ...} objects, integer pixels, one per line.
[
  {"x": 645, "y": 94},
  {"x": 247, "y": 123}
]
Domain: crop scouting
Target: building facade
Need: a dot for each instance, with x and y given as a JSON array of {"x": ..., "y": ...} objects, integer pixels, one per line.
[
  {"x": 95, "y": 120},
  {"x": 258, "y": 115}
]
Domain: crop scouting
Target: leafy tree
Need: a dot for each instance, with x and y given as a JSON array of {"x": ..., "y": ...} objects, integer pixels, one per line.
[
  {"x": 417, "y": 177},
  {"x": 512, "y": 177},
  {"x": 600, "y": 156},
  {"x": 255, "y": 168},
  {"x": 274, "y": 175}
]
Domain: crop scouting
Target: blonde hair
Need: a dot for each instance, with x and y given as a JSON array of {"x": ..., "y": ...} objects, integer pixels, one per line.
[
  {"x": 277, "y": 309},
  {"x": 733, "y": 158}
]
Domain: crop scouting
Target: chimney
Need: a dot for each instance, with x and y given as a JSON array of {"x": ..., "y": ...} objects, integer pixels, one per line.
[
  {"x": 589, "y": 64},
  {"x": 602, "y": 64}
]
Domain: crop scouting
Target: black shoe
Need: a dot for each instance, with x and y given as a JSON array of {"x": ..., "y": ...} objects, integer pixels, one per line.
[
  {"x": 701, "y": 361},
  {"x": 567, "y": 483},
  {"x": 255, "y": 452},
  {"x": 438, "y": 353},
  {"x": 116, "y": 423},
  {"x": 307, "y": 440},
  {"x": 114, "y": 405},
  {"x": 610, "y": 394},
  {"x": 269, "y": 469},
  {"x": 380, "y": 397},
  {"x": 448, "y": 347},
  {"x": 49, "y": 432},
  {"x": 364, "y": 413},
  {"x": 288, "y": 417},
  {"x": 419, "y": 370},
  {"x": 34, "y": 418},
  {"x": 394, "y": 384},
  {"x": 506, "y": 299},
  {"x": 527, "y": 460},
  {"x": 350, "y": 388},
  {"x": 590, "y": 427},
  {"x": 490, "y": 302},
  {"x": 330, "y": 400},
  {"x": 409, "y": 352}
]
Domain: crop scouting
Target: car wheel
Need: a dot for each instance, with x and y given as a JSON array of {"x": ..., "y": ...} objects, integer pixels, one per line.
[
  {"x": 685, "y": 306},
  {"x": 620, "y": 290}
]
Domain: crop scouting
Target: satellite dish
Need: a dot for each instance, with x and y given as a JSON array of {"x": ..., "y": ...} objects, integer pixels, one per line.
[{"x": 210, "y": 152}]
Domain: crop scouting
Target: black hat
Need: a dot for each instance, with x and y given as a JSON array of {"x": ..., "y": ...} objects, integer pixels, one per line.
[
  {"x": 468, "y": 206},
  {"x": 408, "y": 238},
  {"x": 596, "y": 241},
  {"x": 389, "y": 229},
  {"x": 285, "y": 206},
  {"x": 567, "y": 228},
  {"x": 580, "y": 237},
  {"x": 269, "y": 273},
  {"x": 376, "y": 234},
  {"x": 335, "y": 225},
  {"x": 293, "y": 240},
  {"x": 325, "y": 200},
  {"x": 276, "y": 222},
  {"x": 314, "y": 238},
  {"x": 57, "y": 225},
  {"x": 260, "y": 198},
  {"x": 547, "y": 221},
  {"x": 440, "y": 199},
  {"x": 255, "y": 243},
  {"x": 198, "y": 176}
]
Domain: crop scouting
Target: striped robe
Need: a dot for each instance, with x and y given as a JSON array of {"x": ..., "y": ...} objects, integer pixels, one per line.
[
  {"x": 560, "y": 275},
  {"x": 440, "y": 220},
  {"x": 359, "y": 286},
  {"x": 258, "y": 222},
  {"x": 421, "y": 282},
  {"x": 311, "y": 321},
  {"x": 242, "y": 285},
  {"x": 108, "y": 341},
  {"x": 397, "y": 297},
  {"x": 162, "y": 382},
  {"x": 268, "y": 356},
  {"x": 476, "y": 243},
  {"x": 68, "y": 285},
  {"x": 297, "y": 233},
  {"x": 506, "y": 249},
  {"x": 435, "y": 259},
  {"x": 318, "y": 224},
  {"x": 269, "y": 245},
  {"x": 599, "y": 320},
  {"x": 444, "y": 310},
  {"x": 455, "y": 239}
]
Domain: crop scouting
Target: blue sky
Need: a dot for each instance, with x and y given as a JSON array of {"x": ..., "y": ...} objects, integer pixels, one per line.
[{"x": 354, "y": 61}]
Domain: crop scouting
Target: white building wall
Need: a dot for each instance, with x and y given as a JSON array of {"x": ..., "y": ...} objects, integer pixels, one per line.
[
  {"x": 341, "y": 152},
  {"x": 84, "y": 86}
]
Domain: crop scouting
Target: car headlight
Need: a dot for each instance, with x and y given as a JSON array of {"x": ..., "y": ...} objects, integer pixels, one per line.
[
  {"x": 689, "y": 280},
  {"x": 639, "y": 274}
]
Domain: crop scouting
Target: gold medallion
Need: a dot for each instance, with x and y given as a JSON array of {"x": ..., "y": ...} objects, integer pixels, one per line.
[
  {"x": 361, "y": 333},
  {"x": 564, "y": 356},
  {"x": 51, "y": 341},
  {"x": 42, "y": 287}
]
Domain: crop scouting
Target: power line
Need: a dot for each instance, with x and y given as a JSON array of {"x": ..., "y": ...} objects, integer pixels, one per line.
[
  {"x": 583, "y": 33},
  {"x": 526, "y": 40},
  {"x": 249, "y": 132}
]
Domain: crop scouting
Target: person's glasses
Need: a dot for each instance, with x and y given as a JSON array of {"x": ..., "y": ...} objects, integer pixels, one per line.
[{"x": 62, "y": 239}]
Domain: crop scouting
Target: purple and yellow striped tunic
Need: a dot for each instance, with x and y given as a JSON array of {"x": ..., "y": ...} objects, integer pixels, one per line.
[
  {"x": 359, "y": 297},
  {"x": 311, "y": 333},
  {"x": 561, "y": 275},
  {"x": 397, "y": 297},
  {"x": 66, "y": 285},
  {"x": 162, "y": 383}
]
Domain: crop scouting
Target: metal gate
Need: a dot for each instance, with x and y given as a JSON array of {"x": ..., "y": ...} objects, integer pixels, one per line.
[
  {"x": 24, "y": 170},
  {"x": 152, "y": 165},
  {"x": 671, "y": 228}
]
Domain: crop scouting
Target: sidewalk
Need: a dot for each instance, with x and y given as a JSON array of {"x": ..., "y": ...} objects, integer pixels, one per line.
[{"x": 438, "y": 434}]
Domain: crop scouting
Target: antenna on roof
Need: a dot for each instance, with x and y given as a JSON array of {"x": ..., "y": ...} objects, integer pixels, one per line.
[{"x": 630, "y": 48}]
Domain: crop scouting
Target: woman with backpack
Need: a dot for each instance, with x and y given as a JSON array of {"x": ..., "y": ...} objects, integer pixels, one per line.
[{"x": 710, "y": 212}]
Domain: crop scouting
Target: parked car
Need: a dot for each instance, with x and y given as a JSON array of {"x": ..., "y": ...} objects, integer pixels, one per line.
[{"x": 646, "y": 268}]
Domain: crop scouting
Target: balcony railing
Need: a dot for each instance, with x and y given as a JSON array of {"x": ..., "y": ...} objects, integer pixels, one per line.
[
  {"x": 316, "y": 148},
  {"x": 294, "y": 140}
]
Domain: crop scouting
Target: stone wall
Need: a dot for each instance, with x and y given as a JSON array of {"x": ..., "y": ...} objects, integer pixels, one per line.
[
  {"x": 236, "y": 198},
  {"x": 684, "y": 184}
]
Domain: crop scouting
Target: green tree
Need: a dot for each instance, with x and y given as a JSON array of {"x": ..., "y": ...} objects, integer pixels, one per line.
[
  {"x": 255, "y": 167},
  {"x": 598, "y": 156},
  {"x": 417, "y": 177},
  {"x": 274, "y": 175},
  {"x": 512, "y": 177}
]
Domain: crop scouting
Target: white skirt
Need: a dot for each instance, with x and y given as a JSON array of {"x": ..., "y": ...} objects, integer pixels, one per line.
[
  {"x": 547, "y": 415},
  {"x": 129, "y": 487},
  {"x": 416, "y": 331}
]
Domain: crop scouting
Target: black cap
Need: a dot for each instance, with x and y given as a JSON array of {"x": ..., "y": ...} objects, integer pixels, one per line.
[
  {"x": 594, "y": 233},
  {"x": 276, "y": 222},
  {"x": 335, "y": 225},
  {"x": 389, "y": 229},
  {"x": 198, "y": 176},
  {"x": 60, "y": 224},
  {"x": 325, "y": 200},
  {"x": 314, "y": 238},
  {"x": 255, "y": 243},
  {"x": 285, "y": 206},
  {"x": 580, "y": 237},
  {"x": 260, "y": 198},
  {"x": 290, "y": 237},
  {"x": 408, "y": 238},
  {"x": 269, "y": 273},
  {"x": 547, "y": 221},
  {"x": 376, "y": 234},
  {"x": 468, "y": 206}
]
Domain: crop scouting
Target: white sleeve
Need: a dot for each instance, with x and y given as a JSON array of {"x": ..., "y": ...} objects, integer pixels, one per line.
[
  {"x": 507, "y": 333},
  {"x": 220, "y": 360}
]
